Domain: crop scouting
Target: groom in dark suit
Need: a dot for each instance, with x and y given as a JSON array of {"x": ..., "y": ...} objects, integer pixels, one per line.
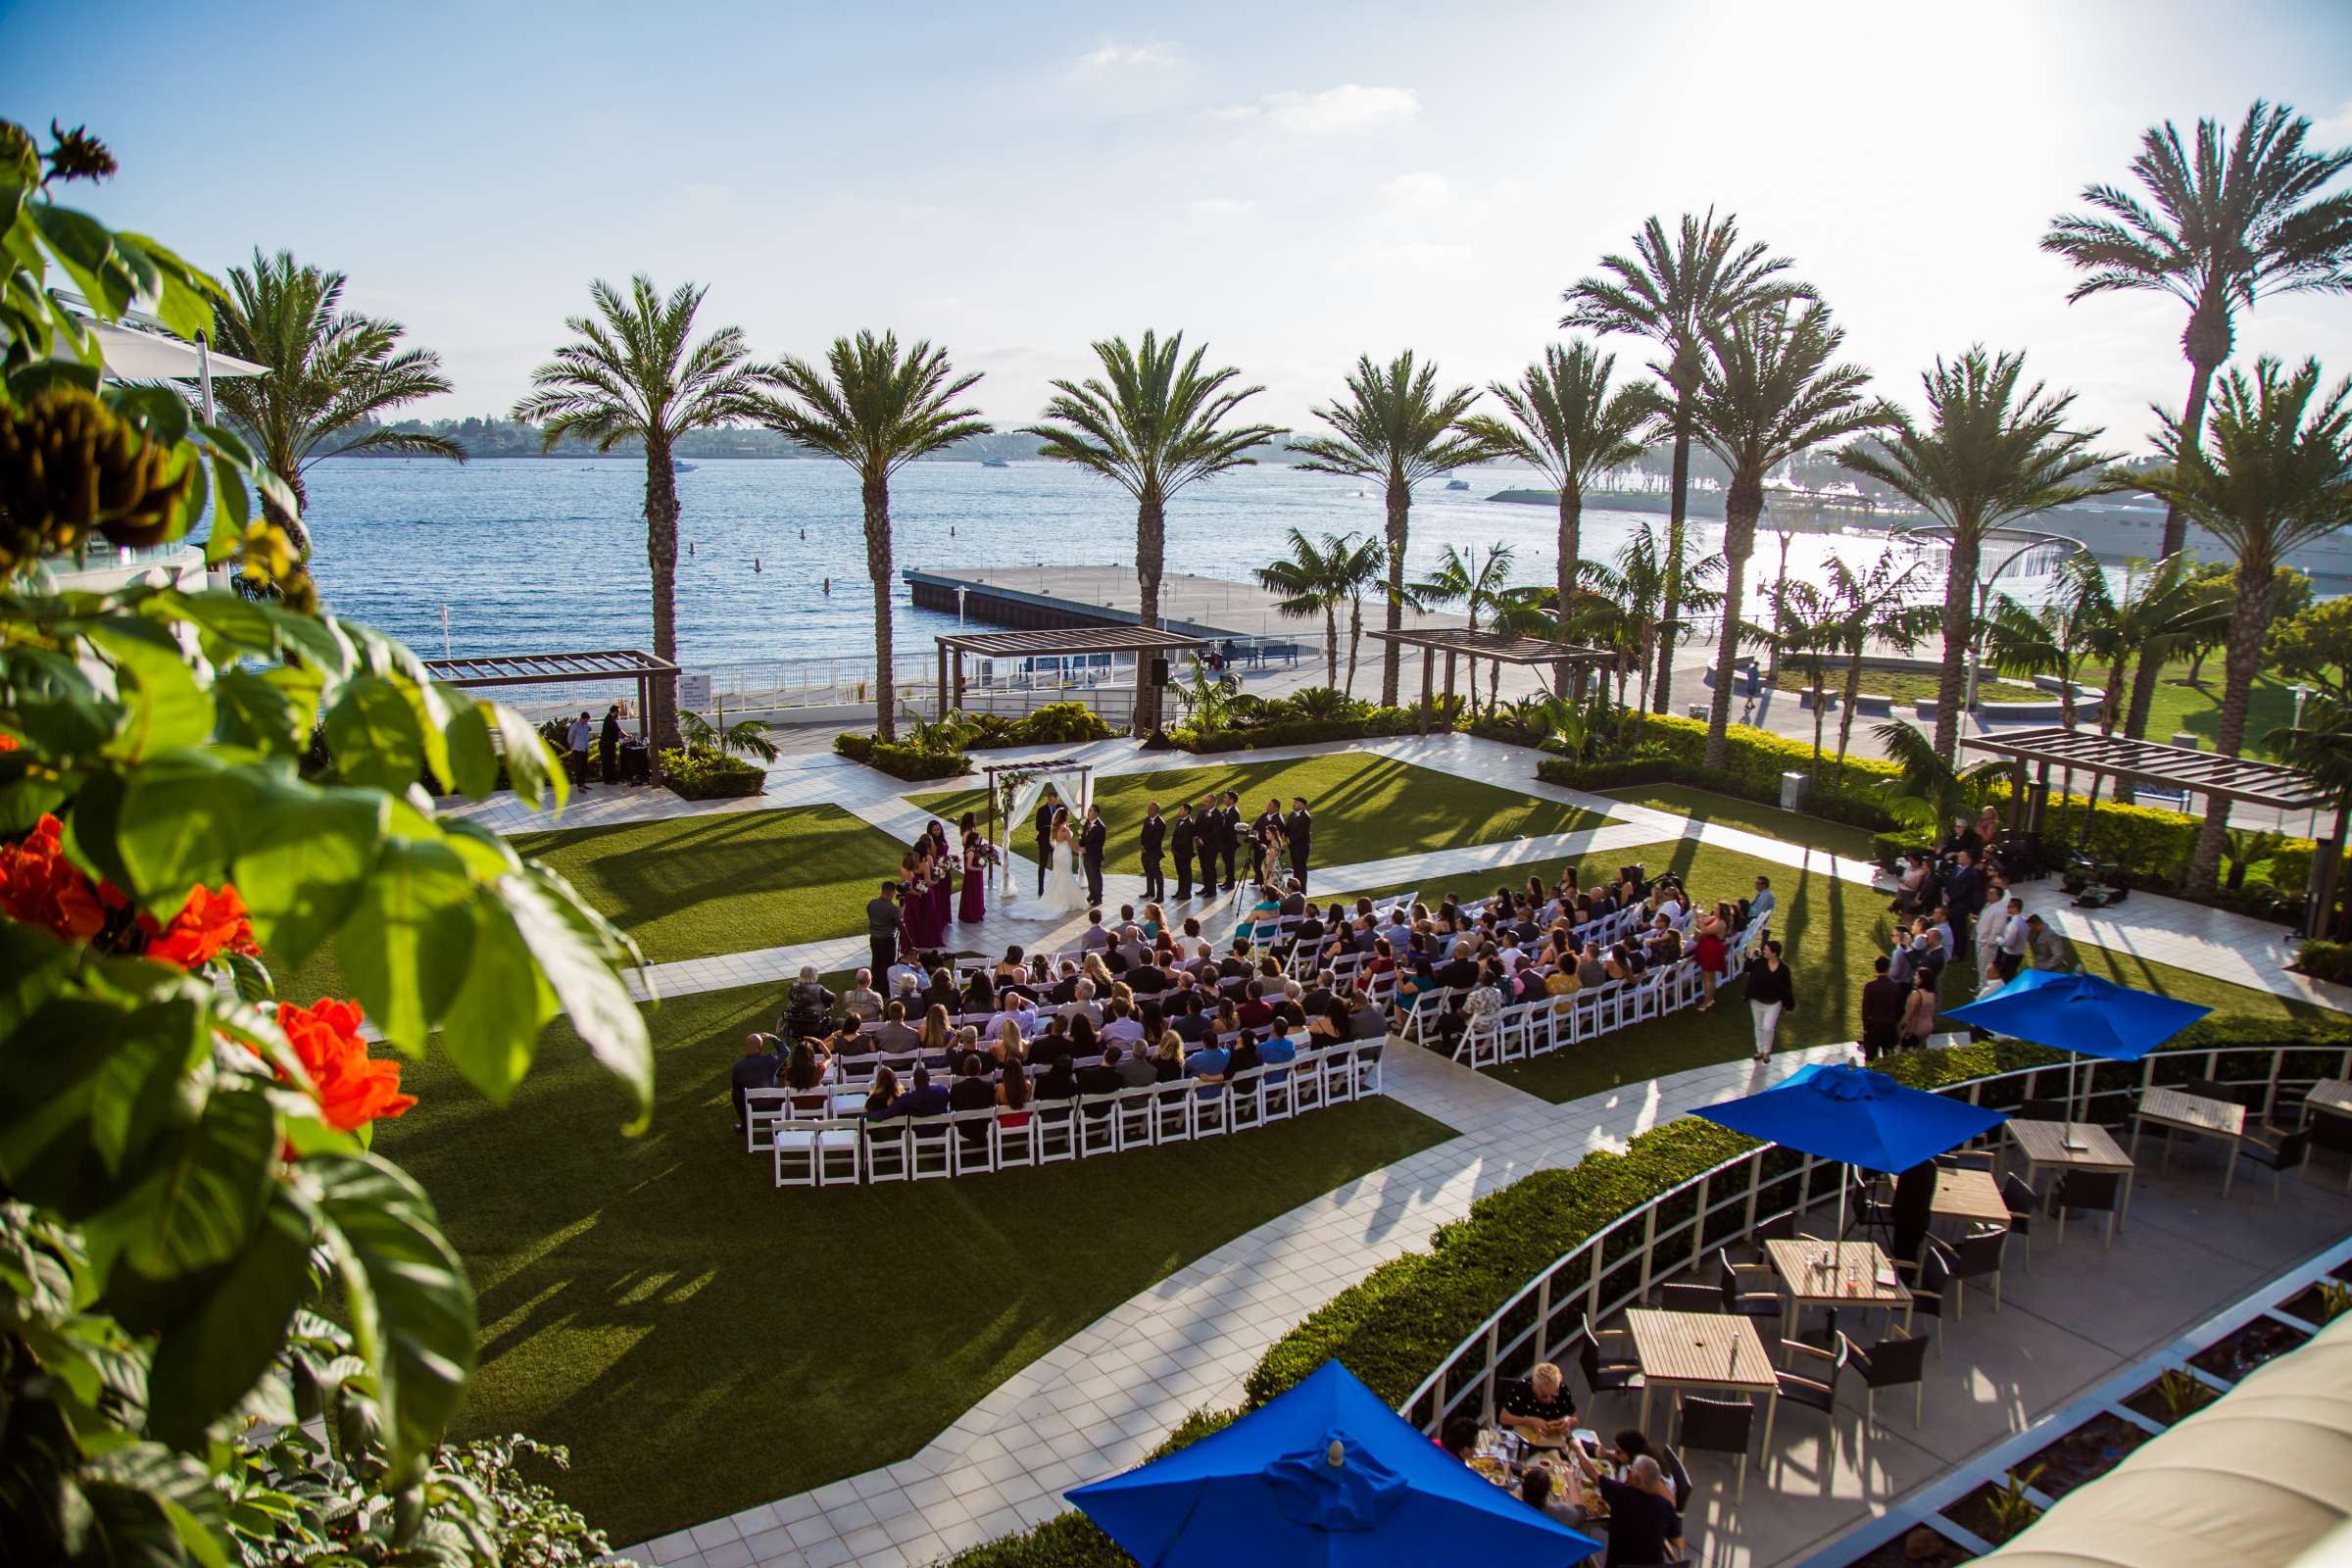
[
  {"x": 1154, "y": 834},
  {"x": 1045, "y": 807},
  {"x": 1090, "y": 844},
  {"x": 1299, "y": 827},
  {"x": 1181, "y": 836}
]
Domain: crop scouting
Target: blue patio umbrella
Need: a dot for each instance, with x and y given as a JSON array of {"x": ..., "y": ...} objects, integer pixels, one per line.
[
  {"x": 1325, "y": 1474},
  {"x": 2080, "y": 1013},
  {"x": 1855, "y": 1116}
]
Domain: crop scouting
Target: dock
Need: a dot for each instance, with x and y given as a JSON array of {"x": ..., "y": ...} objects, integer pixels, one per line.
[{"x": 1050, "y": 597}]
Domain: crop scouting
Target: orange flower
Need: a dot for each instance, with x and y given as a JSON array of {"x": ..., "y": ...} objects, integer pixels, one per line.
[
  {"x": 207, "y": 925},
  {"x": 39, "y": 886},
  {"x": 354, "y": 1090},
  {"x": 7, "y": 743}
]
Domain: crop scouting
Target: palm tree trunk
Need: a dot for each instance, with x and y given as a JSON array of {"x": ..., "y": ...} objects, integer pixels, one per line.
[
  {"x": 1820, "y": 710},
  {"x": 662, "y": 554},
  {"x": 1572, "y": 523},
  {"x": 1355, "y": 640},
  {"x": 1151, "y": 562},
  {"x": 1331, "y": 639},
  {"x": 1741, "y": 505},
  {"x": 877, "y": 567},
  {"x": 1400, "y": 505},
  {"x": 2175, "y": 521},
  {"x": 2248, "y": 622},
  {"x": 1677, "y": 508},
  {"x": 1846, "y": 715},
  {"x": 1959, "y": 591},
  {"x": 2111, "y": 709},
  {"x": 297, "y": 532}
]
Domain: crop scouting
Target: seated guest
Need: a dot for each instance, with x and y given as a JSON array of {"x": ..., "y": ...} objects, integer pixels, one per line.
[
  {"x": 942, "y": 994},
  {"x": 807, "y": 1005},
  {"x": 1006, "y": 1046},
  {"x": 756, "y": 1068},
  {"x": 1103, "y": 1077},
  {"x": 1663, "y": 945},
  {"x": 1093, "y": 970},
  {"x": 979, "y": 994},
  {"x": 1123, "y": 1027},
  {"x": 1384, "y": 956},
  {"x": 1207, "y": 1067},
  {"x": 1535, "y": 1491},
  {"x": 1643, "y": 1527},
  {"x": 1093, "y": 938},
  {"x": 1193, "y": 947},
  {"x": 972, "y": 1092},
  {"x": 1460, "y": 972},
  {"x": 1294, "y": 900},
  {"x": 1151, "y": 977},
  {"x": 1130, "y": 950},
  {"x": 1256, "y": 1012},
  {"x": 1537, "y": 1407},
  {"x": 1417, "y": 982},
  {"x": 1015, "y": 1009},
  {"x": 1278, "y": 1051},
  {"x": 1243, "y": 1056},
  {"x": 1065, "y": 985},
  {"x": 925, "y": 1099},
  {"x": 1227, "y": 1020},
  {"x": 1012, "y": 968},
  {"x": 1192, "y": 1024},
  {"x": 1134, "y": 1065},
  {"x": 1235, "y": 965},
  {"x": 1620, "y": 963},
  {"x": 880, "y": 1093},
  {"x": 904, "y": 978},
  {"x": 862, "y": 1003},
  {"x": 1167, "y": 1058},
  {"x": 1366, "y": 1020},
  {"x": 1012, "y": 1093},
  {"x": 938, "y": 1035},
  {"x": 1082, "y": 1005},
  {"x": 894, "y": 1037},
  {"x": 1058, "y": 1083},
  {"x": 1459, "y": 1437}
]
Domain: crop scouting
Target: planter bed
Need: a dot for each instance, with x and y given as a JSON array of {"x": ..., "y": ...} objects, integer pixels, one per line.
[
  {"x": 2232, "y": 1358},
  {"x": 2085, "y": 1454},
  {"x": 1974, "y": 1513},
  {"x": 1896, "y": 1553},
  {"x": 2307, "y": 1304},
  {"x": 2150, "y": 1403}
]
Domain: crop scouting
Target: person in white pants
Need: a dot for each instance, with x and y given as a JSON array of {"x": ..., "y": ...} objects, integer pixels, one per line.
[{"x": 1771, "y": 992}]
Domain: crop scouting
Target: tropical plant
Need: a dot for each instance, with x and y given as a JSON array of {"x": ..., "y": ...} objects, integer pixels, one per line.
[
  {"x": 2053, "y": 638},
  {"x": 1570, "y": 425},
  {"x": 1476, "y": 581},
  {"x": 1673, "y": 291},
  {"x": 1875, "y": 610},
  {"x": 1157, "y": 423},
  {"x": 2315, "y": 646},
  {"x": 229, "y": 1332},
  {"x": 2240, "y": 218},
  {"x": 1208, "y": 698},
  {"x": 1767, "y": 390},
  {"x": 333, "y": 373},
  {"x": 1356, "y": 572},
  {"x": 1311, "y": 583},
  {"x": 2008, "y": 1505},
  {"x": 748, "y": 736},
  {"x": 1991, "y": 455},
  {"x": 1394, "y": 427},
  {"x": 1930, "y": 791},
  {"x": 2244, "y": 848},
  {"x": 877, "y": 410},
  {"x": 2158, "y": 612},
  {"x": 634, "y": 371},
  {"x": 1624, "y": 603},
  {"x": 2335, "y": 1298},
  {"x": 2183, "y": 1393},
  {"x": 1808, "y": 626},
  {"x": 2270, "y": 472}
]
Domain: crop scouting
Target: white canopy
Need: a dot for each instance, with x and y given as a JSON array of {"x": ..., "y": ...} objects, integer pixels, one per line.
[
  {"x": 134, "y": 355},
  {"x": 2261, "y": 1475}
]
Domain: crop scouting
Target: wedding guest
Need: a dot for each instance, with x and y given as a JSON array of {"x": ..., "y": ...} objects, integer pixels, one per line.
[
  {"x": 862, "y": 1003},
  {"x": 756, "y": 1068},
  {"x": 894, "y": 1036},
  {"x": 1882, "y": 1006},
  {"x": 925, "y": 1099},
  {"x": 806, "y": 1067},
  {"x": 1095, "y": 938},
  {"x": 942, "y": 994},
  {"x": 1167, "y": 1058},
  {"x": 979, "y": 995},
  {"x": 1012, "y": 968},
  {"x": 1771, "y": 992},
  {"x": 807, "y": 1005},
  {"x": 1012, "y": 1093},
  {"x": 972, "y": 1092},
  {"x": 1919, "y": 1010},
  {"x": 880, "y": 1093},
  {"x": 2044, "y": 947},
  {"x": 1103, "y": 1077},
  {"x": 882, "y": 928}
]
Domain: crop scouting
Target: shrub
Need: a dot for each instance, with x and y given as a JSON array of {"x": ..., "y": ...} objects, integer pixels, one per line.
[
  {"x": 703, "y": 774},
  {"x": 1055, "y": 724},
  {"x": 900, "y": 759},
  {"x": 1293, "y": 731},
  {"x": 2326, "y": 960}
]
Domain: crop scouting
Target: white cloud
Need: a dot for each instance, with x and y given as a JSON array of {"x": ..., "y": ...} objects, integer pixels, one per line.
[
  {"x": 1119, "y": 58},
  {"x": 1331, "y": 112},
  {"x": 1218, "y": 207},
  {"x": 1422, "y": 192}
]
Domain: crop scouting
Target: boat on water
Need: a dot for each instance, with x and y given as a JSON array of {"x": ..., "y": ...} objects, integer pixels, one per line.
[
  {"x": 1457, "y": 484},
  {"x": 684, "y": 467},
  {"x": 994, "y": 463}
]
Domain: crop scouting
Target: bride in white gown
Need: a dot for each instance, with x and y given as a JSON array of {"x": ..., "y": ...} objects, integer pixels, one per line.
[{"x": 1065, "y": 889}]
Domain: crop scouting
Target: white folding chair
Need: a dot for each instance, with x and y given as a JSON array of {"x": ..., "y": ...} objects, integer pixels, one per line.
[
  {"x": 762, "y": 1109},
  {"x": 1246, "y": 1101},
  {"x": 1172, "y": 1115},
  {"x": 1016, "y": 1144},
  {"x": 973, "y": 1149},
  {"x": 1133, "y": 1117},
  {"x": 1056, "y": 1138},
  {"x": 1096, "y": 1119},
  {"x": 930, "y": 1144},
  {"x": 887, "y": 1156}
]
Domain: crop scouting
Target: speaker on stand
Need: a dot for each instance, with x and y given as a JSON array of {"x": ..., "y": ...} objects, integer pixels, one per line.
[{"x": 1157, "y": 740}]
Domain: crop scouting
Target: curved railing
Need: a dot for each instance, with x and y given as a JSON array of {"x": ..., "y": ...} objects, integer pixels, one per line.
[{"x": 1616, "y": 1265}]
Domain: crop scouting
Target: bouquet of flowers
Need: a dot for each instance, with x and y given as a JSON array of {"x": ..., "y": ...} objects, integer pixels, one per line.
[{"x": 985, "y": 854}]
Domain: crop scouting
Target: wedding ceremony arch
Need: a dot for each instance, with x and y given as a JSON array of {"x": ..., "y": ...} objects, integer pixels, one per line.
[{"x": 1015, "y": 788}]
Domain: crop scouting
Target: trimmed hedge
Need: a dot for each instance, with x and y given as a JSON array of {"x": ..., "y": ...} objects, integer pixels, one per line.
[
  {"x": 1301, "y": 731},
  {"x": 1671, "y": 752},
  {"x": 703, "y": 774},
  {"x": 2326, "y": 960},
  {"x": 901, "y": 761}
]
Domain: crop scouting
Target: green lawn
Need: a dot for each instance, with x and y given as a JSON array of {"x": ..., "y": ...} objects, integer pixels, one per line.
[
  {"x": 1365, "y": 808},
  {"x": 1728, "y": 810},
  {"x": 1904, "y": 685},
  {"x": 704, "y": 1342},
  {"x": 2197, "y": 710}
]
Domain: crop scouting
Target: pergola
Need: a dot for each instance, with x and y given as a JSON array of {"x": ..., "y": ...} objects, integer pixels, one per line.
[
  {"x": 1458, "y": 642},
  {"x": 2230, "y": 778},
  {"x": 562, "y": 669},
  {"x": 1065, "y": 642}
]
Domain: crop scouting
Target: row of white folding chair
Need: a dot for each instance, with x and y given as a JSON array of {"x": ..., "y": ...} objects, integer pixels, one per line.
[
  {"x": 846, "y": 1150},
  {"x": 1532, "y": 1028}
]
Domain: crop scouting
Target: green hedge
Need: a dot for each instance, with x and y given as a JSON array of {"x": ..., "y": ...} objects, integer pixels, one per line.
[
  {"x": 1301, "y": 731},
  {"x": 1672, "y": 752},
  {"x": 703, "y": 774},
  {"x": 1053, "y": 725},
  {"x": 901, "y": 761},
  {"x": 2326, "y": 960}
]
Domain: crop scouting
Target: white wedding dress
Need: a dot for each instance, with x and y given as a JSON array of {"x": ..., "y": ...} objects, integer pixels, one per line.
[{"x": 1065, "y": 889}]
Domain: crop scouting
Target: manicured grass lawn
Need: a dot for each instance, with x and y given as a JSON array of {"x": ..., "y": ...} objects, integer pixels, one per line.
[
  {"x": 704, "y": 1342},
  {"x": 1365, "y": 808},
  {"x": 1904, "y": 685},
  {"x": 2197, "y": 710},
  {"x": 1728, "y": 810},
  {"x": 1833, "y": 932}
]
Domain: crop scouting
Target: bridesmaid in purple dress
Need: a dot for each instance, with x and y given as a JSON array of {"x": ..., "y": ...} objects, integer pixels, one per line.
[
  {"x": 974, "y": 906},
  {"x": 934, "y": 843},
  {"x": 918, "y": 912}
]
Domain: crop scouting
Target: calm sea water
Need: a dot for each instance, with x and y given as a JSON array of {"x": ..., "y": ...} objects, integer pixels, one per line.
[{"x": 540, "y": 555}]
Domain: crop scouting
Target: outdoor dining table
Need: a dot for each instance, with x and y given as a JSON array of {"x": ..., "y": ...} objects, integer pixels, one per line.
[
  {"x": 1971, "y": 1197},
  {"x": 2176, "y": 1110},
  {"x": 2331, "y": 1096},
  {"x": 2064, "y": 1145},
  {"x": 1836, "y": 1275},
  {"x": 1701, "y": 1350}
]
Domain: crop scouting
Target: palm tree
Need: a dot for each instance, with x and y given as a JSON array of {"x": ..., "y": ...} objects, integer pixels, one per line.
[
  {"x": 333, "y": 373},
  {"x": 1672, "y": 291},
  {"x": 1356, "y": 572},
  {"x": 1767, "y": 391},
  {"x": 1568, "y": 425},
  {"x": 1631, "y": 616},
  {"x": 1155, "y": 426},
  {"x": 2322, "y": 746},
  {"x": 1875, "y": 610},
  {"x": 1311, "y": 584},
  {"x": 2265, "y": 479},
  {"x": 2157, "y": 613},
  {"x": 876, "y": 408},
  {"x": 1475, "y": 582},
  {"x": 634, "y": 372},
  {"x": 1807, "y": 625},
  {"x": 2229, "y": 225},
  {"x": 2054, "y": 638},
  {"x": 1393, "y": 426},
  {"x": 1991, "y": 456}
]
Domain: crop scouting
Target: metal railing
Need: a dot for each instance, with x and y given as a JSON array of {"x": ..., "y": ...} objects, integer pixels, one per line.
[{"x": 1616, "y": 1266}]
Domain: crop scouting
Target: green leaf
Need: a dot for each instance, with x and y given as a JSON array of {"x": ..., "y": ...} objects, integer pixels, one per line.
[
  {"x": 87, "y": 251},
  {"x": 140, "y": 1080},
  {"x": 33, "y": 967},
  {"x": 530, "y": 765},
  {"x": 408, "y": 943},
  {"x": 374, "y": 734},
  {"x": 472, "y": 760},
  {"x": 487, "y": 856},
  {"x": 211, "y": 1356},
  {"x": 235, "y": 620},
  {"x": 179, "y": 816},
  {"x": 269, "y": 710},
  {"x": 252, "y": 978},
  {"x": 231, "y": 511},
  {"x": 166, "y": 707},
  {"x": 151, "y": 1505},
  {"x": 492, "y": 1025},
  {"x": 602, "y": 1010},
  {"x": 201, "y": 1191},
  {"x": 316, "y": 640},
  {"x": 411, "y": 1310},
  {"x": 429, "y": 705},
  {"x": 303, "y": 861}
]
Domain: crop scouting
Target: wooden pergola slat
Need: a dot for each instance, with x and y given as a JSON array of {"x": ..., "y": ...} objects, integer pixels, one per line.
[
  {"x": 1458, "y": 642},
  {"x": 2235, "y": 778},
  {"x": 1062, "y": 643}
]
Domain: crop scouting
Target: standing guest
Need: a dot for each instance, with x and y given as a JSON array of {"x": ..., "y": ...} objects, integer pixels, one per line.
[
  {"x": 1714, "y": 950},
  {"x": 862, "y": 1003},
  {"x": 577, "y": 742},
  {"x": 1771, "y": 992},
  {"x": 974, "y": 906},
  {"x": 1151, "y": 837},
  {"x": 1919, "y": 1010},
  {"x": 1181, "y": 836},
  {"x": 1048, "y": 804},
  {"x": 1883, "y": 998},
  {"x": 2045, "y": 946},
  {"x": 610, "y": 743},
  {"x": 1301, "y": 830},
  {"x": 2015, "y": 935},
  {"x": 1092, "y": 838},
  {"x": 756, "y": 1068}
]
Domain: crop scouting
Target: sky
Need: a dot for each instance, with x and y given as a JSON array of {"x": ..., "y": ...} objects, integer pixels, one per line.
[{"x": 1295, "y": 184}]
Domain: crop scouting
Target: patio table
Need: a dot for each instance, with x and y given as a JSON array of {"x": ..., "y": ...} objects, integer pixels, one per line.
[
  {"x": 2175, "y": 1109},
  {"x": 2332, "y": 1096},
  {"x": 1701, "y": 1350},
  {"x": 2064, "y": 1145},
  {"x": 1972, "y": 1196},
  {"x": 1836, "y": 1275}
]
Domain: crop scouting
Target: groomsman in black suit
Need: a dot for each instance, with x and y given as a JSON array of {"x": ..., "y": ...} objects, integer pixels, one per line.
[
  {"x": 1045, "y": 807},
  {"x": 1154, "y": 834},
  {"x": 1091, "y": 838},
  {"x": 1229, "y": 835},
  {"x": 1180, "y": 840},
  {"x": 1301, "y": 830}
]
